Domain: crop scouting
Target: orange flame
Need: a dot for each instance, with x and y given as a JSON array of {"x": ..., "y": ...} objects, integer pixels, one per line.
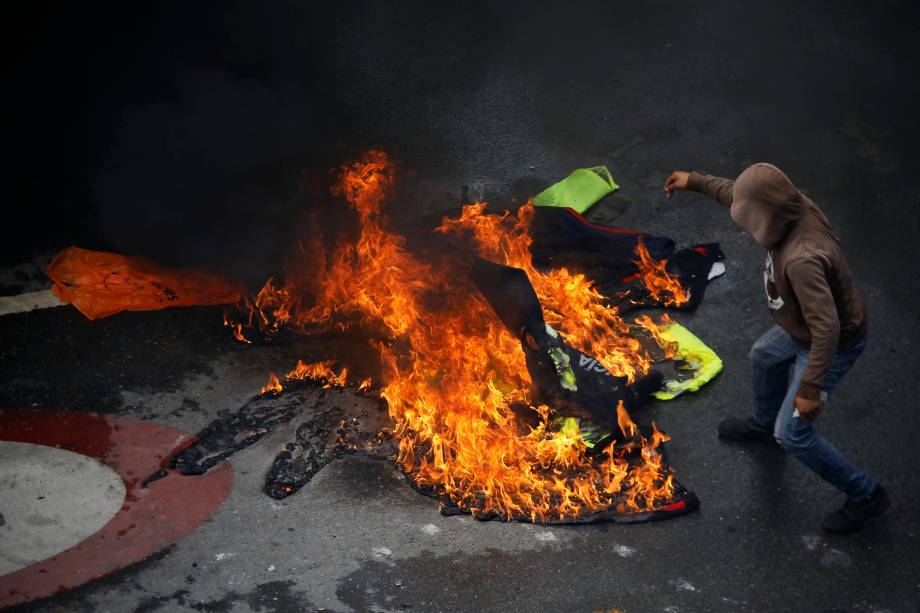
[
  {"x": 319, "y": 371},
  {"x": 451, "y": 371},
  {"x": 644, "y": 321},
  {"x": 662, "y": 287},
  {"x": 627, "y": 425},
  {"x": 273, "y": 386},
  {"x": 570, "y": 301},
  {"x": 236, "y": 328}
]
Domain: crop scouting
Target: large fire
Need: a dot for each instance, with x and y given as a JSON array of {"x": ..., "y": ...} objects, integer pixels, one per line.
[{"x": 451, "y": 372}]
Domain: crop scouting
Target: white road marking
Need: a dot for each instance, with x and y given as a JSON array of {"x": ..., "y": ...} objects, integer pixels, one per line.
[
  {"x": 51, "y": 500},
  {"x": 30, "y": 301}
]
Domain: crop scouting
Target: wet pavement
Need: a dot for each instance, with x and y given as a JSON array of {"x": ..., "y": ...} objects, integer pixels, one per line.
[{"x": 497, "y": 103}]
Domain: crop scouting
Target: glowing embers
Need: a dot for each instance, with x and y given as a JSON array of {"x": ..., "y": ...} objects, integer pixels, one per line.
[{"x": 454, "y": 378}]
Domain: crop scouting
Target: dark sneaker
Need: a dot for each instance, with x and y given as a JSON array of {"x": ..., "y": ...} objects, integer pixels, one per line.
[
  {"x": 738, "y": 429},
  {"x": 854, "y": 513}
]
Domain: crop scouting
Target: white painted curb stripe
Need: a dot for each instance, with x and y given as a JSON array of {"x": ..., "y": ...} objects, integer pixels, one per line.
[{"x": 28, "y": 302}]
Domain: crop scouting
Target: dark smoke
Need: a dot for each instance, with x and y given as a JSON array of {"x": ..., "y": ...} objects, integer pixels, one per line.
[
  {"x": 257, "y": 104},
  {"x": 220, "y": 139},
  {"x": 216, "y": 178},
  {"x": 201, "y": 134}
]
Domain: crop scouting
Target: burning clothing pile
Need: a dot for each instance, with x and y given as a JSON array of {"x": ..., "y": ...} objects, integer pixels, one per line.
[{"x": 507, "y": 374}]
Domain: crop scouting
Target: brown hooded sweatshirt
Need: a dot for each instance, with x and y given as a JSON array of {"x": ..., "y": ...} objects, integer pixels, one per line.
[{"x": 809, "y": 289}]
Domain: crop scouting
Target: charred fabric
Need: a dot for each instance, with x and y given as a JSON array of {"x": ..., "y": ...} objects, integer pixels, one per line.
[{"x": 507, "y": 368}]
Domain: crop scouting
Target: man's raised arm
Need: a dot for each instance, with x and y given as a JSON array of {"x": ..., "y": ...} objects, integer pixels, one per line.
[{"x": 717, "y": 188}]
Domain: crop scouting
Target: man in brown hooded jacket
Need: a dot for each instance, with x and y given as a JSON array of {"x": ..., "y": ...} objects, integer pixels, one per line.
[{"x": 821, "y": 328}]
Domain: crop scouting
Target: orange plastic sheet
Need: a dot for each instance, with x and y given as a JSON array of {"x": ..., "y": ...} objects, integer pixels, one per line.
[{"x": 100, "y": 284}]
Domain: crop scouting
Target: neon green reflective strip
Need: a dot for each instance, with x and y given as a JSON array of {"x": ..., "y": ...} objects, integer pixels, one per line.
[
  {"x": 570, "y": 427},
  {"x": 580, "y": 190},
  {"x": 561, "y": 362},
  {"x": 703, "y": 360},
  {"x": 590, "y": 434}
]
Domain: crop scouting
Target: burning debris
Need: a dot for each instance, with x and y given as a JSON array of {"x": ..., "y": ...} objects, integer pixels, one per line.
[
  {"x": 329, "y": 434},
  {"x": 473, "y": 423},
  {"x": 318, "y": 441},
  {"x": 662, "y": 288},
  {"x": 562, "y": 377},
  {"x": 229, "y": 434},
  {"x": 626, "y": 266}
]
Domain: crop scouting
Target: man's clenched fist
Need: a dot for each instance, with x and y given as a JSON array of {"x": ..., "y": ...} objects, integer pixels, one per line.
[{"x": 677, "y": 180}]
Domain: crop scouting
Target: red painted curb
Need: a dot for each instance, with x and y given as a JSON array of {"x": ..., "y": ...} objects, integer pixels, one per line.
[{"x": 150, "y": 519}]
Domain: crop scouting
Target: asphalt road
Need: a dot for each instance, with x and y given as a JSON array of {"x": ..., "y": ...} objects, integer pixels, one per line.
[{"x": 495, "y": 103}]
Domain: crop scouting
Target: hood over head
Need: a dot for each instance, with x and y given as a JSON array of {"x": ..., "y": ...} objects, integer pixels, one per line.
[{"x": 766, "y": 204}]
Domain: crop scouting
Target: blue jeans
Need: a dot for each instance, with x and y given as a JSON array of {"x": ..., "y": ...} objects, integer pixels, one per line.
[{"x": 772, "y": 355}]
